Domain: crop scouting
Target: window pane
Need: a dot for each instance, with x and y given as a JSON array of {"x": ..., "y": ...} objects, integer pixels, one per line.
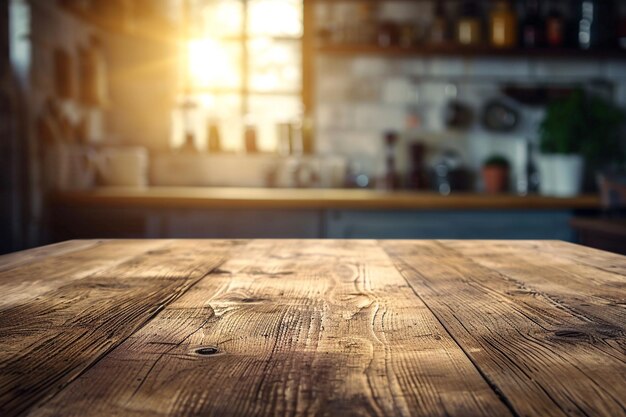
[
  {"x": 267, "y": 112},
  {"x": 214, "y": 64},
  {"x": 275, "y": 65},
  {"x": 275, "y": 17},
  {"x": 222, "y": 18}
]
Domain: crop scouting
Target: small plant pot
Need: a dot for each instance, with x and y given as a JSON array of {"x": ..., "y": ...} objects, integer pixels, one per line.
[
  {"x": 496, "y": 179},
  {"x": 560, "y": 175}
]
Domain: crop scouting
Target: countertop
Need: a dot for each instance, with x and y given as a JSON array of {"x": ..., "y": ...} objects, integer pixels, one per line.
[
  {"x": 198, "y": 197},
  {"x": 312, "y": 328}
]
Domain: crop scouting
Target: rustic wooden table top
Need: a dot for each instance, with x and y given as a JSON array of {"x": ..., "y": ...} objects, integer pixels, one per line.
[{"x": 319, "y": 328}]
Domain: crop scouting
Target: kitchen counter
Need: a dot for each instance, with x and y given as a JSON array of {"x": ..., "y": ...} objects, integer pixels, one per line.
[
  {"x": 187, "y": 212},
  {"x": 311, "y": 327},
  {"x": 258, "y": 198}
]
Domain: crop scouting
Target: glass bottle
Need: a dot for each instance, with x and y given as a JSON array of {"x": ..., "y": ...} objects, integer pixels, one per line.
[
  {"x": 189, "y": 144},
  {"x": 532, "y": 174},
  {"x": 250, "y": 139},
  {"x": 532, "y": 30},
  {"x": 555, "y": 29},
  {"x": 439, "y": 27},
  {"x": 596, "y": 24},
  {"x": 503, "y": 24},
  {"x": 214, "y": 142},
  {"x": 469, "y": 30},
  {"x": 391, "y": 180},
  {"x": 365, "y": 23}
]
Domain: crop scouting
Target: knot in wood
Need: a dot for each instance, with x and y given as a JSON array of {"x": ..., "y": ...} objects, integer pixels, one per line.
[{"x": 207, "y": 350}]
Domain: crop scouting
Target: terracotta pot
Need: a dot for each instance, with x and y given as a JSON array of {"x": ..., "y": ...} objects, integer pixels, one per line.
[{"x": 496, "y": 179}]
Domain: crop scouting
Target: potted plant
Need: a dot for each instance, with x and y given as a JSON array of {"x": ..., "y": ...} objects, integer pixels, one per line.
[
  {"x": 496, "y": 174},
  {"x": 579, "y": 129}
]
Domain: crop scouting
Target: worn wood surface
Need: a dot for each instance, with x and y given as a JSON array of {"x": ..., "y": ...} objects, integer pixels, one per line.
[{"x": 313, "y": 328}]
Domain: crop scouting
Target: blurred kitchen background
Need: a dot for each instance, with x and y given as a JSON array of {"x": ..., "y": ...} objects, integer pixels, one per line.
[{"x": 497, "y": 119}]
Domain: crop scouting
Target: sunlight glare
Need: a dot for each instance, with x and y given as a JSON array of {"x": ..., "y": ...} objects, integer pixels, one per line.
[
  {"x": 275, "y": 17},
  {"x": 210, "y": 64}
]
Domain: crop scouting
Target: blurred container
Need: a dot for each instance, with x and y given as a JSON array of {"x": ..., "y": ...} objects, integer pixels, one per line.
[
  {"x": 469, "y": 25},
  {"x": 503, "y": 24},
  {"x": 449, "y": 174},
  {"x": 596, "y": 24},
  {"x": 214, "y": 140},
  {"x": 289, "y": 138},
  {"x": 612, "y": 187},
  {"x": 250, "y": 139},
  {"x": 439, "y": 29},
  {"x": 93, "y": 75},
  {"x": 560, "y": 175},
  {"x": 388, "y": 34},
  {"x": 70, "y": 167},
  {"x": 391, "y": 180},
  {"x": 123, "y": 166},
  {"x": 555, "y": 29},
  {"x": 417, "y": 172},
  {"x": 532, "y": 27},
  {"x": 408, "y": 34}
]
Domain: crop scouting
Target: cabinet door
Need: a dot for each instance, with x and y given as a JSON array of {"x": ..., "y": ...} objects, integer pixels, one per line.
[
  {"x": 234, "y": 224},
  {"x": 537, "y": 224}
]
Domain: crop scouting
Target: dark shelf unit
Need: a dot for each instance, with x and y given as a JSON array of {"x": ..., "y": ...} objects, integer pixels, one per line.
[{"x": 469, "y": 52}]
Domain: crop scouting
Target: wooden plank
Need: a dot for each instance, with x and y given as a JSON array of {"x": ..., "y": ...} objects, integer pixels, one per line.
[
  {"x": 36, "y": 278},
  {"x": 95, "y": 299},
  {"x": 547, "y": 359},
  {"x": 301, "y": 328},
  {"x": 599, "y": 259},
  {"x": 569, "y": 280},
  {"x": 13, "y": 260}
]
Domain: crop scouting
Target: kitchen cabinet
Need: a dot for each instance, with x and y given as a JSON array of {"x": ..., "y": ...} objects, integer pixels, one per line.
[
  {"x": 241, "y": 223},
  {"x": 341, "y": 224},
  {"x": 484, "y": 224}
]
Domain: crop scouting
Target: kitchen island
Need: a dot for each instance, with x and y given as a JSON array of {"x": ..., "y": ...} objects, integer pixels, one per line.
[
  {"x": 195, "y": 212},
  {"x": 311, "y": 327}
]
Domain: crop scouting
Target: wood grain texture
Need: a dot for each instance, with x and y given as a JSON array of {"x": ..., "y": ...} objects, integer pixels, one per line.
[
  {"x": 16, "y": 259},
  {"x": 303, "y": 328},
  {"x": 313, "y": 328},
  {"x": 549, "y": 345},
  {"x": 60, "y": 314}
]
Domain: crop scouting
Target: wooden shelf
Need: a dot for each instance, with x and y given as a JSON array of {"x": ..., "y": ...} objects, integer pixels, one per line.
[{"x": 469, "y": 52}]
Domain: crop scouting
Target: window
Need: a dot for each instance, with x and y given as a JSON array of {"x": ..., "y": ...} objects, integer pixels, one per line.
[{"x": 242, "y": 65}]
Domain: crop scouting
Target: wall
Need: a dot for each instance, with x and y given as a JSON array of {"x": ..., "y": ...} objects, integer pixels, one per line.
[
  {"x": 143, "y": 81},
  {"x": 359, "y": 97},
  {"x": 142, "y": 77}
]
